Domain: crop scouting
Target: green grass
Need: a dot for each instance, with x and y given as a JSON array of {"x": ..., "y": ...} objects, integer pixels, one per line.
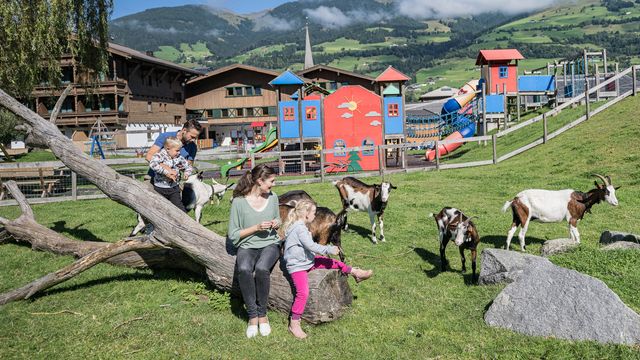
[{"x": 407, "y": 310}]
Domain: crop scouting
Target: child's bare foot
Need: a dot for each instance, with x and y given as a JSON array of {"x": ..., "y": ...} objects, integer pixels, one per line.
[
  {"x": 296, "y": 330},
  {"x": 360, "y": 274}
]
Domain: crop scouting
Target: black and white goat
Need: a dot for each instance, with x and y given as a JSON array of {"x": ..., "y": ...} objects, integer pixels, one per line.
[
  {"x": 453, "y": 224},
  {"x": 195, "y": 195},
  {"x": 326, "y": 228},
  {"x": 555, "y": 206},
  {"x": 358, "y": 196}
]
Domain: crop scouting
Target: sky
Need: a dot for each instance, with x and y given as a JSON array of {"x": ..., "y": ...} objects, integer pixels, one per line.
[{"x": 127, "y": 7}]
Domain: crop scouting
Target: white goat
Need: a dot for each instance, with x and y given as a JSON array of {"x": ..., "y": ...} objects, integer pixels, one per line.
[{"x": 554, "y": 206}]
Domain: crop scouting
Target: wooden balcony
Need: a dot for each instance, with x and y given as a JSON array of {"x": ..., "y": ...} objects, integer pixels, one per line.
[
  {"x": 103, "y": 87},
  {"x": 112, "y": 117}
]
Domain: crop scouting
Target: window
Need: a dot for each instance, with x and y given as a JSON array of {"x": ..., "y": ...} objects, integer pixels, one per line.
[
  {"x": 67, "y": 75},
  {"x": 240, "y": 112},
  {"x": 224, "y": 113},
  {"x": 392, "y": 110},
  {"x": 149, "y": 134},
  {"x": 311, "y": 112},
  {"x": 248, "y": 91},
  {"x": 339, "y": 144},
  {"x": 289, "y": 113},
  {"x": 368, "y": 142},
  {"x": 177, "y": 120},
  {"x": 257, "y": 90},
  {"x": 503, "y": 72},
  {"x": 149, "y": 106}
]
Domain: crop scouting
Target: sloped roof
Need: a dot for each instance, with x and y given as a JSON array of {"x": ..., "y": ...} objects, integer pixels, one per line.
[
  {"x": 484, "y": 56},
  {"x": 135, "y": 54},
  {"x": 391, "y": 74},
  {"x": 234, "y": 67},
  {"x": 287, "y": 78},
  {"x": 391, "y": 90},
  {"x": 333, "y": 69}
]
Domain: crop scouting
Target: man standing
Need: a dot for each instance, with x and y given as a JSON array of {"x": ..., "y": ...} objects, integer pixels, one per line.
[{"x": 188, "y": 135}]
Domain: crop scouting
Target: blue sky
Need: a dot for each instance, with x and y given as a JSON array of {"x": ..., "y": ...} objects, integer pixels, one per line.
[{"x": 127, "y": 7}]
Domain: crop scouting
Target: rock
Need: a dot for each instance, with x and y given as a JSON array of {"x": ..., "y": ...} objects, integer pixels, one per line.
[
  {"x": 621, "y": 245},
  {"x": 497, "y": 265},
  {"x": 557, "y": 246},
  {"x": 547, "y": 300},
  {"x": 608, "y": 237}
]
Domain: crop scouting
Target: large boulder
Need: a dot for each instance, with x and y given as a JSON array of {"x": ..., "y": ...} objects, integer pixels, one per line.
[
  {"x": 609, "y": 236},
  {"x": 498, "y": 266},
  {"x": 557, "y": 246},
  {"x": 547, "y": 300}
]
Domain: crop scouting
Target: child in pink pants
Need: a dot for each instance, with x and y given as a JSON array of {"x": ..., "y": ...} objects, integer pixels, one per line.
[{"x": 300, "y": 258}]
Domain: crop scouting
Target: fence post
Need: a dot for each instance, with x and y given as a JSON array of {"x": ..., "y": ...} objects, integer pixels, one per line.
[
  {"x": 404, "y": 154},
  {"x": 321, "y": 165},
  {"x": 253, "y": 160},
  {"x": 381, "y": 156},
  {"x": 586, "y": 97},
  {"x": 304, "y": 166},
  {"x": 437, "y": 154},
  {"x": 544, "y": 128},
  {"x": 634, "y": 68},
  {"x": 617, "y": 82},
  {"x": 597, "y": 82},
  {"x": 494, "y": 140},
  {"x": 74, "y": 185}
]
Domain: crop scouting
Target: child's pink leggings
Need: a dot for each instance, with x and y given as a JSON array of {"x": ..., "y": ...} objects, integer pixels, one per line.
[{"x": 301, "y": 282}]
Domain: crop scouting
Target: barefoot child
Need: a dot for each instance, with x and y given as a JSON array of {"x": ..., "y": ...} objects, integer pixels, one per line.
[
  {"x": 167, "y": 164},
  {"x": 299, "y": 250}
]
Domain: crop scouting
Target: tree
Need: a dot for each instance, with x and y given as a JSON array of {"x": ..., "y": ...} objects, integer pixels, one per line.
[
  {"x": 354, "y": 159},
  {"x": 178, "y": 241},
  {"x": 35, "y": 34}
]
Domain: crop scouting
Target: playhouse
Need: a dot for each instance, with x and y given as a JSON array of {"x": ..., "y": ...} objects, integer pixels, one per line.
[{"x": 350, "y": 116}]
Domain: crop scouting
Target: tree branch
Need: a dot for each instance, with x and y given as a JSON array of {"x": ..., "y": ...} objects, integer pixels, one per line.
[
  {"x": 74, "y": 269},
  {"x": 12, "y": 186},
  {"x": 56, "y": 109}
]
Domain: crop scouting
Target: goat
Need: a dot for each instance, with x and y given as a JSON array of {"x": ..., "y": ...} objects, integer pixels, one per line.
[
  {"x": 554, "y": 206},
  {"x": 358, "y": 196},
  {"x": 453, "y": 224},
  {"x": 195, "y": 195},
  {"x": 326, "y": 228}
]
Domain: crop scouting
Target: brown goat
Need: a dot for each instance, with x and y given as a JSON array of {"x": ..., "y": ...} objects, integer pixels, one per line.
[
  {"x": 326, "y": 228},
  {"x": 453, "y": 224}
]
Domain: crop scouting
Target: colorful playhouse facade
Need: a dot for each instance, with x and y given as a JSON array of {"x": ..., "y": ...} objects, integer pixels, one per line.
[{"x": 348, "y": 117}]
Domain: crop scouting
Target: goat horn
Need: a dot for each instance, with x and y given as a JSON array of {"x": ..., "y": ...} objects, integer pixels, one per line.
[
  {"x": 604, "y": 180},
  {"x": 609, "y": 178}
]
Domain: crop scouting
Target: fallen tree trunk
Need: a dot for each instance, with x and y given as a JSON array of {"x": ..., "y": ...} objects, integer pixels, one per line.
[{"x": 329, "y": 295}]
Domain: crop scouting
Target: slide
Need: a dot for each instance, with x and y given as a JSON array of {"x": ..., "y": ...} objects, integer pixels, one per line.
[
  {"x": 455, "y": 106},
  {"x": 270, "y": 141}
]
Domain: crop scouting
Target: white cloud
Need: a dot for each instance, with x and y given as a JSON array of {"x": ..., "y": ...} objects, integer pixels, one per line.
[
  {"x": 344, "y": 105},
  {"x": 347, "y": 115},
  {"x": 135, "y": 24},
  {"x": 375, "y": 123},
  {"x": 423, "y": 9},
  {"x": 273, "y": 23},
  {"x": 332, "y": 17},
  {"x": 373, "y": 113}
]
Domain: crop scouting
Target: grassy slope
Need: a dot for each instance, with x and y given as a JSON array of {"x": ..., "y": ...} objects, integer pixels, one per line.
[{"x": 408, "y": 310}]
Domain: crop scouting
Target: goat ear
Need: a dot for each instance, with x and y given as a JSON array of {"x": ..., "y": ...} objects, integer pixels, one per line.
[
  {"x": 391, "y": 186},
  {"x": 618, "y": 187},
  {"x": 341, "y": 219},
  {"x": 200, "y": 177}
]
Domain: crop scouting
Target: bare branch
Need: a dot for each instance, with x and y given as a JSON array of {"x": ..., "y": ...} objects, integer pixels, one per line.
[
  {"x": 74, "y": 269},
  {"x": 12, "y": 186},
  {"x": 56, "y": 109}
]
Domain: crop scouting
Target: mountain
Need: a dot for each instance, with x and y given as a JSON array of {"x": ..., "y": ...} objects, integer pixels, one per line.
[
  {"x": 198, "y": 34},
  {"x": 368, "y": 35}
]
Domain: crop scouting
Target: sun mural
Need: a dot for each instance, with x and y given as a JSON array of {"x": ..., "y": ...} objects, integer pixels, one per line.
[{"x": 351, "y": 105}]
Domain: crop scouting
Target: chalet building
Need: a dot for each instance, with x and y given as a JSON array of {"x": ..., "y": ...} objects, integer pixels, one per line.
[
  {"x": 236, "y": 101},
  {"x": 141, "y": 94}
]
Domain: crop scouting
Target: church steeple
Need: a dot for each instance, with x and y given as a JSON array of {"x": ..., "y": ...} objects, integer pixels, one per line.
[{"x": 308, "y": 56}]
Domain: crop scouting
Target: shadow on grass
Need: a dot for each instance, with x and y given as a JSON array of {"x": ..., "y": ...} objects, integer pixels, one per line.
[
  {"x": 500, "y": 241},
  {"x": 214, "y": 222},
  {"x": 431, "y": 258},
  {"x": 77, "y": 232},
  {"x": 157, "y": 274},
  {"x": 365, "y": 233}
]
